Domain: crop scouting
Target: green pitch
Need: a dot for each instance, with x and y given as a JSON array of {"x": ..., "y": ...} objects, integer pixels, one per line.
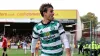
[
  {"x": 20, "y": 52},
  {"x": 17, "y": 52}
]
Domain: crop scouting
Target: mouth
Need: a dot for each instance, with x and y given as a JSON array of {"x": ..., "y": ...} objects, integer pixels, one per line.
[{"x": 52, "y": 17}]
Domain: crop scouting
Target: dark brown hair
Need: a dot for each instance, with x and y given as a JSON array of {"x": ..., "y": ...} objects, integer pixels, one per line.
[{"x": 44, "y": 8}]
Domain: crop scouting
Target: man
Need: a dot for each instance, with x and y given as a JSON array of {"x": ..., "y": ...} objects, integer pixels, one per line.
[
  {"x": 24, "y": 44},
  {"x": 4, "y": 45},
  {"x": 80, "y": 48},
  {"x": 18, "y": 44},
  {"x": 51, "y": 34},
  {"x": 9, "y": 43}
]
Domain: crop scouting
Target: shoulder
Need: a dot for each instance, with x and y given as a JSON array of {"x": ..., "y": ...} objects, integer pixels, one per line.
[
  {"x": 37, "y": 25},
  {"x": 56, "y": 21}
]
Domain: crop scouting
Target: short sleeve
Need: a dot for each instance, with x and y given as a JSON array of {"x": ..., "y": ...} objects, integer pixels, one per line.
[
  {"x": 35, "y": 33},
  {"x": 61, "y": 29}
]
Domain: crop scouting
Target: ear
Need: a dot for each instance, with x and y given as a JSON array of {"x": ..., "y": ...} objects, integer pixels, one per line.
[{"x": 44, "y": 13}]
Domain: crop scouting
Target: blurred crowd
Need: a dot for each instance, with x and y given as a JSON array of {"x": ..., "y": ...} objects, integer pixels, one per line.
[{"x": 17, "y": 40}]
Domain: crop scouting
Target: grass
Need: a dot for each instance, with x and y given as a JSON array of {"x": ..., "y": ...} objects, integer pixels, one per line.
[
  {"x": 20, "y": 52},
  {"x": 16, "y": 52}
]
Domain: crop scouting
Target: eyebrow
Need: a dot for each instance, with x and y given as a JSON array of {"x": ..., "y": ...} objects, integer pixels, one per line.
[{"x": 52, "y": 10}]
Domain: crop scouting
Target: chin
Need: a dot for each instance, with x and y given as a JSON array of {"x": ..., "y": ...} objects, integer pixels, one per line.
[{"x": 52, "y": 18}]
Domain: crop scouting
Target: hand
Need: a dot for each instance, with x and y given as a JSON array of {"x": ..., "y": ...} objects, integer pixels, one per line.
[
  {"x": 32, "y": 54},
  {"x": 68, "y": 52}
]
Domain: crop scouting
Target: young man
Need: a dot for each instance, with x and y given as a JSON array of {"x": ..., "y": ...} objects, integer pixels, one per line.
[
  {"x": 4, "y": 45},
  {"x": 51, "y": 34},
  {"x": 24, "y": 46}
]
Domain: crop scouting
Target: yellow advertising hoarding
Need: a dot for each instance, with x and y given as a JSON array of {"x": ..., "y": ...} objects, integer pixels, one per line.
[{"x": 59, "y": 14}]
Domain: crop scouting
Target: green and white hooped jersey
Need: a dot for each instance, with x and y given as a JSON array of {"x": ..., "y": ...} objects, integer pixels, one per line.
[{"x": 49, "y": 35}]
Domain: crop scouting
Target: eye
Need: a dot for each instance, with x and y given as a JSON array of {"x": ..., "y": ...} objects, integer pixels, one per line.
[{"x": 51, "y": 11}]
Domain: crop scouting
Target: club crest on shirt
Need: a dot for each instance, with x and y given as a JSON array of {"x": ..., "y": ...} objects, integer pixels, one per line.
[{"x": 47, "y": 34}]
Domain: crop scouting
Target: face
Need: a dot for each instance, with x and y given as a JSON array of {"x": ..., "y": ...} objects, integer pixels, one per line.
[{"x": 49, "y": 14}]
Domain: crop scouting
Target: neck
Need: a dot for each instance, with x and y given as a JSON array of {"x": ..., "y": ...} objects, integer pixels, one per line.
[{"x": 45, "y": 21}]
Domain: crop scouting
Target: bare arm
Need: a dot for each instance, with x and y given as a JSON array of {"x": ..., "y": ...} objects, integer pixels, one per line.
[
  {"x": 32, "y": 54},
  {"x": 68, "y": 52}
]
